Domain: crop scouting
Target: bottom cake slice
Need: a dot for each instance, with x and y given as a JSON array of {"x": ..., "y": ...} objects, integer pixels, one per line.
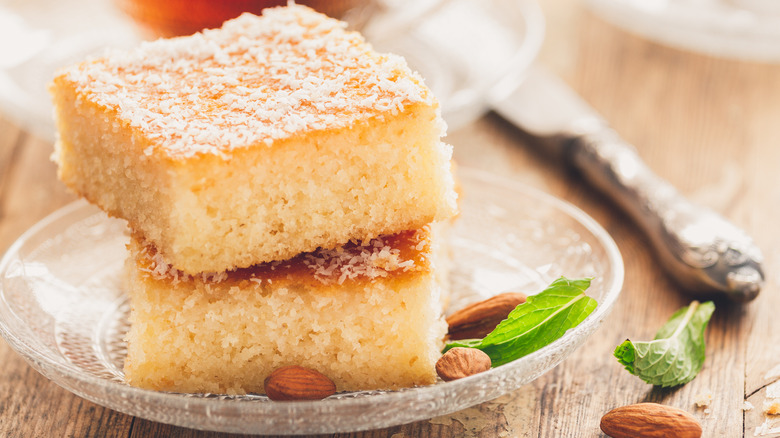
[{"x": 367, "y": 315}]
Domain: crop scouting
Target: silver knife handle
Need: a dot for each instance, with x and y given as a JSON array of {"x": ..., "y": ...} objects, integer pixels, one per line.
[{"x": 700, "y": 248}]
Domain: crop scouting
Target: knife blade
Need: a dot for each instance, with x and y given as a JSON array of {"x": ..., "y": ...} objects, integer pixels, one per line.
[{"x": 703, "y": 252}]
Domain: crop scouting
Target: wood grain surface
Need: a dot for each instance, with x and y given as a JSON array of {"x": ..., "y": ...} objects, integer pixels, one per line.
[{"x": 709, "y": 126}]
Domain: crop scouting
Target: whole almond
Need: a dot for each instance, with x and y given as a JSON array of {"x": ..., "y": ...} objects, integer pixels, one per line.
[
  {"x": 298, "y": 383},
  {"x": 461, "y": 362},
  {"x": 650, "y": 420},
  {"x": 478, "y": 319}
]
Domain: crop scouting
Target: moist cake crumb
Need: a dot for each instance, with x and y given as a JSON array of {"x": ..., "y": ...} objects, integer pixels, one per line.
[{"x": 196, "y": 334}]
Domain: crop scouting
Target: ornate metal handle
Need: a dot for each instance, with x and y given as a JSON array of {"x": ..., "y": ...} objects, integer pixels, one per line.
[{"x": 700, "y": 248}]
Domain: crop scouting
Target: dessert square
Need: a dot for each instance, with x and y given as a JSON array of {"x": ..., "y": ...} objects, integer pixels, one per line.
[
  {"x": 272, "y": 136},
  {"x": 367, "y": 315}
]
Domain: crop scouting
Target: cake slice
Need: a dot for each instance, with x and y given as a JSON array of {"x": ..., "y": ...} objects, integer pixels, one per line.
[
  {"x": 272, "y": 136},
  {"x": 367, "y": 315}
]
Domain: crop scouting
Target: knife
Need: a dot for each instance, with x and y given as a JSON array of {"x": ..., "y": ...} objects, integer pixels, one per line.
[{"x": 704, "y": 252}]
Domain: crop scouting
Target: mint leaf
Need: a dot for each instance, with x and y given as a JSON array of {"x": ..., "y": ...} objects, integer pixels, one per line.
[
  {"x": 542, "y": 319},
  {"x": 626, "y": 355},
  {"x": 676, "y": 355}
]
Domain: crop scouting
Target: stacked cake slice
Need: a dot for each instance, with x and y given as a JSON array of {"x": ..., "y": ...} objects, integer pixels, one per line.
[{"x": 281, "y": 181}]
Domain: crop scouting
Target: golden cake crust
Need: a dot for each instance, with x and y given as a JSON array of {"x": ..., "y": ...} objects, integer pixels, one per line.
[{"x": 255, "y": 80}]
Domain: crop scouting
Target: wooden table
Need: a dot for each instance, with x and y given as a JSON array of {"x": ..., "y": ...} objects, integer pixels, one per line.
[{"x": 710, "y": 126}]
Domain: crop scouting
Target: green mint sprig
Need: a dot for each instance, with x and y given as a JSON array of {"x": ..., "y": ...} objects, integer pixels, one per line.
[
  {"x": 539, "y": 321},
  {"x": 676, "y": 355}
]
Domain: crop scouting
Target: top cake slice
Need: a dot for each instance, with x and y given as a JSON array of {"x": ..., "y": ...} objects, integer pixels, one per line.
[{"x": 269, "y": 137}]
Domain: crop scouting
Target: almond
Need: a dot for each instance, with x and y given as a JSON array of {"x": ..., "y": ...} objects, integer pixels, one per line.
[
  {"x": 298, "y": 383},
  {"x": 650, "y": 420},
  {"x": 478, "y": 319},
  {"x": 461, "y": 362}
]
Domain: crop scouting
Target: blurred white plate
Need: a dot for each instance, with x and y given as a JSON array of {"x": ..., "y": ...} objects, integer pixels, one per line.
[
  {"x": 463, "y": 48},
  {"x": 740, "y": 29}
]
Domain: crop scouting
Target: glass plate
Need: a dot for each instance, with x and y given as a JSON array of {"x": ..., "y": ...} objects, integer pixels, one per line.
[
  {"x": 461, "y": 47},
  {"x": 741, "y": 29},
  {"x": 63, "y": 309}
]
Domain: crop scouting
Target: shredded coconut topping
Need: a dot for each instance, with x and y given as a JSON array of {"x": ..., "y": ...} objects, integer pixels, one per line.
[
  {"x": 255, "y": 80},
  {"x": 158, "y": 268},
  {"x": 368, "y": 260},
  {"x": 373, "y": 259}
]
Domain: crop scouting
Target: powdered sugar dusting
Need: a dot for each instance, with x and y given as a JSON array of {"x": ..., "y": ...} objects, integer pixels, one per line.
[{"x": 255, "y": 80}]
